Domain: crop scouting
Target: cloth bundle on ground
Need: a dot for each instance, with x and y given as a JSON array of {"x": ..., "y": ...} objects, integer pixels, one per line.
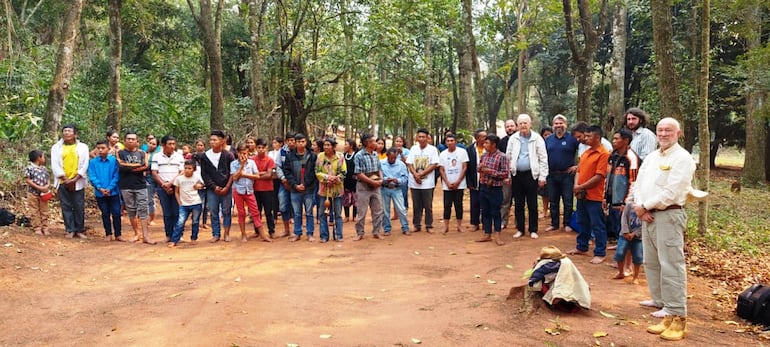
[{"x": 561, "y": 279}]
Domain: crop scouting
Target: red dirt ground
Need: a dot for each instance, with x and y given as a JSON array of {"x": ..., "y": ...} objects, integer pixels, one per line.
[{"x": 64, "y": 292}]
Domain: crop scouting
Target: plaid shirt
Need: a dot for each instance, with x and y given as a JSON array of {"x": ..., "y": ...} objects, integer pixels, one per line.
[
  {"x": 497, "y": 161},
  {"x": 366, "y": 162}
]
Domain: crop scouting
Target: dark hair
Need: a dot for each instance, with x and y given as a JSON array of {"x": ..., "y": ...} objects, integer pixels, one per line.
[
  {"x": 290, "y": 135},
  {"x": 580, "y": 127},
  {"x": 133, "y": 132},
  {"x": 70, "y": 126},
  {"x": 34, "y": 155},
  {"x": 423, "y": 130},
  {"x": 330, "y": 140},
  {"x": 352, "y": 143},
  {"x": 111, "y": 132},
  {"x": 278, "y": 139},
  {"x": 392, "y": 149},
  {"x": 103, "y": 142},
  {"x": 241, "y": 147},
  {"x": 365, "y": 137},
  {"x": 546, "y": 128},
  {"x": 450, "y": 136},
  {"x": 260, "y": 142},
  {"x": 320, "y": 144},
  {"x": 493, "y": 139},
  {"x": 201, "y": 141},
  {"x": 167, "y": 138},
  {"x": 384, "y": 148},
  {"x": 299, "y": 136},
  {"x": 218, "y": 133},
  {"x": 403, "y": 139},
  {"x": 638, "y": 113},
  {"x": 596, "y": 130},
  {"x": 190, "y": 162},
  {"x": 625, "y": 134}
]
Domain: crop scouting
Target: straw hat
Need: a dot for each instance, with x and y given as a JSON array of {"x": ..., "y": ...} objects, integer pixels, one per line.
[{"x": 551, "y": 252}]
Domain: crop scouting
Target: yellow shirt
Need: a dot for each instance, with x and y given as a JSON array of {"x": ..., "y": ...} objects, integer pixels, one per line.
[{"x": 70, "y": 160}]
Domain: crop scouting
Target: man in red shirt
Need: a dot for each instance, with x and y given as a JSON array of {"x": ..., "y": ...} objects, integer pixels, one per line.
[{"x": 589, "y": 190}]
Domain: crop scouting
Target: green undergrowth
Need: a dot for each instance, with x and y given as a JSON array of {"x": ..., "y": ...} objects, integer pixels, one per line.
[{"x": 738, "y": 221}]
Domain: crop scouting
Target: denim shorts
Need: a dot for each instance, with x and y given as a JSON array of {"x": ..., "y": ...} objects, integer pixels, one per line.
[{"x": 634, "y": 246}]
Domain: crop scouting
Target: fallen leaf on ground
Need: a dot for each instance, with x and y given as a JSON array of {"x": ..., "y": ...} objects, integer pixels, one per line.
[
  {"x": 477, "y": 276},
  {"x": 509, "y": 266},
  {"x": 8, "y": 245},
  {"x": 368, "y": 298},
  {"x": 607, "y": 315},
  {"x": 325, "y": 336},
  {"x": 238, "y": 279},
  {"x": 731, "y": 322},
  {"x": 491, "y": 281},
  {"x": 292, "y": 345},
  {"x": 600, "y": 334},
  {"x": 416, "y": 252},
  {"x": 552, "y": 331},
  {"x": 416, "y": 341},
  {"x": 452, "y": 253},
  {"x": 175, "y": 295}
]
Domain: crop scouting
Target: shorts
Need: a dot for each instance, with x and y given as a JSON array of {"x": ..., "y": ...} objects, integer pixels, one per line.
[
  {"x": 136, "y": 203},
  {"x": 634, "y": 246}
]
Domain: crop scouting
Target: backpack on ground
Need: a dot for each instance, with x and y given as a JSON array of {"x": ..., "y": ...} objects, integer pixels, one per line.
[
  {"x": 6, "y": 217},
  {"x": 754, "y": 304}
]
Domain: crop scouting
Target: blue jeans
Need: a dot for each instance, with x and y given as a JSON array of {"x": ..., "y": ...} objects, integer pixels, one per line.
[
  {"x": 284, "y": 203},
  {"x": 405, "y": 192},
  {"x": 298, "y": 200},
  {"x": 184, "y": 212},
  {"x": 491, "y": 198},
  {"x": 613, "y": 224},
  {"x": 635, "y": 246},
  {"x": 111, "y": 214},
  {"x": 324, "y": 218},
  {"x": 397, "y": 196},
  {"x": 215, "y": 202},
  {"x": 560, "y": 188},
  {"x": 73, "y": 209},
  {"x": 591, "y": 220},
  {"x": 170, "y": 211}
]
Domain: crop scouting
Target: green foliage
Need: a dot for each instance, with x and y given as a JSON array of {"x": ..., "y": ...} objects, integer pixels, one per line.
[{"x": 737, "y": 221}]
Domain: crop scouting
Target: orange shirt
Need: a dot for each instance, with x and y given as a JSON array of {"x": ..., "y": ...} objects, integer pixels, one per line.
[{"x": 593, "y": 162}]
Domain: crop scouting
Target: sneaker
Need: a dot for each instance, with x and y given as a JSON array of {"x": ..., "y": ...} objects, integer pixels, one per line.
[
  {"x": 518, "y": 234},
  {"x": 533, "y": 235}
]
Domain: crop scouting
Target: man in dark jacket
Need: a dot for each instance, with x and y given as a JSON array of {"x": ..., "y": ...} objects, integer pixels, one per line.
[
  {"x": 475, "y": 151},
  {"x": 299, "y": 171},
  {"x": 215, "y": 171}
]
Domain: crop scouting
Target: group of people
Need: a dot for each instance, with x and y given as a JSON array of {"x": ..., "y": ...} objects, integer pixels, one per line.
[{"x": 639, "y": 179}]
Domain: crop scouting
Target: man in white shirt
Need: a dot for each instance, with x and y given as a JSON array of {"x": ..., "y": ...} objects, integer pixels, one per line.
[
  {"x": 453, "y": 164},
  {"x": 165, "y": 166},
  {"x": 422, "y": 162},
  {"x": 659, "y": 194}
]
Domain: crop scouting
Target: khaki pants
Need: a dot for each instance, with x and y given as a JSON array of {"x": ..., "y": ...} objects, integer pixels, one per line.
[
  {"x": 664, "y": 261},
  {"x": 38, "y": 212}
]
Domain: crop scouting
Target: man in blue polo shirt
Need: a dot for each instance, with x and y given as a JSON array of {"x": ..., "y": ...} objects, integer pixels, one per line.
[{"x": 562, "y": 148}]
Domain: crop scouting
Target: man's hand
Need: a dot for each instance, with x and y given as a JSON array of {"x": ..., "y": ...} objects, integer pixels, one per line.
[
  {"x": 572, "y": 169},
  {"x": 628, "y": 236},
  {"x": 541, "y": 183}
]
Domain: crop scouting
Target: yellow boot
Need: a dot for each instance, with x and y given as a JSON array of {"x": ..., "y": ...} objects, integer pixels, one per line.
[
  {"x": 677, "y": 330},
  {"x": 659, "y": 328}
]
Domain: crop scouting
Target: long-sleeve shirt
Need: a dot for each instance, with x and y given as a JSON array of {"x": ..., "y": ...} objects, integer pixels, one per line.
[
  {"x": 57, "y": 163},
  {"x": 300, "y": 169},
  {"x": 103, "y": 174},
  {"x": 396, "y": 170},
  {"x": 664, "y": 179},
  {"x": 326, "y": 167},
  {"x": 499, "y": 163}
]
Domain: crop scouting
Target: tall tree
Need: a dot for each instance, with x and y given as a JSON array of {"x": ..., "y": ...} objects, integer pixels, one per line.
[
  {"x": 663, "y": 44},
  {"x": 115, "y": 104},
  {"x": 704, "y": 135},
  {"x": 583, "y": 59},
  {"x": 257, "y": 10},
  {"x": 757, "y": 110},
  {"x": 465, "y": 86},
  {"x": 209, "y": 22},
  {"x": 617, "y": 104},
  {"x": 57, "y": 93}
]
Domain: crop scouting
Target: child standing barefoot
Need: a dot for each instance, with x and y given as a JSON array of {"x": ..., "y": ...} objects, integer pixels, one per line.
[
  {"x": 38, "y": 191},
  {"x": 630, "y": 240},
  {"x": 244, "y": 173},
  {"x": 187, "y": 186}
]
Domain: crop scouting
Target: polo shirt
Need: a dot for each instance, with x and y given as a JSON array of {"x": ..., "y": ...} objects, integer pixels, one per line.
[
  {"x": 593, "y": 162},
  {"x": 561, "y": 152}
]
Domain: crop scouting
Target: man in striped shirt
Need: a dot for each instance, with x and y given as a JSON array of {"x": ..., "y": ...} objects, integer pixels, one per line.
[{"x": 644, "y": 140}]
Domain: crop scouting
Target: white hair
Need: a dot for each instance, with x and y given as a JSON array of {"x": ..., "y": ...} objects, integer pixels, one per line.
[{"x": 523, "y": 116}]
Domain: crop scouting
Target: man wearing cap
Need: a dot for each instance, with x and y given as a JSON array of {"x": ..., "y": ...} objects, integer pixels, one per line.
[{"x": 659, "y": 194}]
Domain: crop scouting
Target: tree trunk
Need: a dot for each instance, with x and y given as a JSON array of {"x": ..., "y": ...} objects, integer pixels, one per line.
[
  {"x": 465, "y": 87},
  {"x": 428, "y": 103},
  {"x": 57, "y": 94},
  {"x": 7, "y": 50},
  {"x": 347, "y": 79},
  {"x": 664, "y": 60},
  {"x": 210, "y": 25},
  {"x": 704, "y": 136},
  {"x": 477, "y": 112},
  {"x": 257, "y": 10},
  {"x": 115, "y": 105},
  {"x": 754, "y": 167},
  {"x": 617, "y": 105},
  {"x": 453, "y": 82},
  {"x": 583, "y": 59}
]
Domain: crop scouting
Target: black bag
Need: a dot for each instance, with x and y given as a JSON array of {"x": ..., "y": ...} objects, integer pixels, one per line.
[
  {"x": 6, "y": 217},
  {"x": 754, "y": 304}
]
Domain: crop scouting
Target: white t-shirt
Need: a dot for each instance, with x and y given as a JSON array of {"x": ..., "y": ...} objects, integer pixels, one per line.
[
  {"x": 213, "y": 157},
  {"x": 188, "y": 195},
  {"x": 421, "y": 158},
  {"x": 452, "y": 162}
]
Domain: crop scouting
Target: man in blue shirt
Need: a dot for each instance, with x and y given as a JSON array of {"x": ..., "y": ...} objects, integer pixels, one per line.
[
  {"x": 394, "y": 176},
  {"x": 562, "y": 148},
  {"x": 103, "y": 175}
]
